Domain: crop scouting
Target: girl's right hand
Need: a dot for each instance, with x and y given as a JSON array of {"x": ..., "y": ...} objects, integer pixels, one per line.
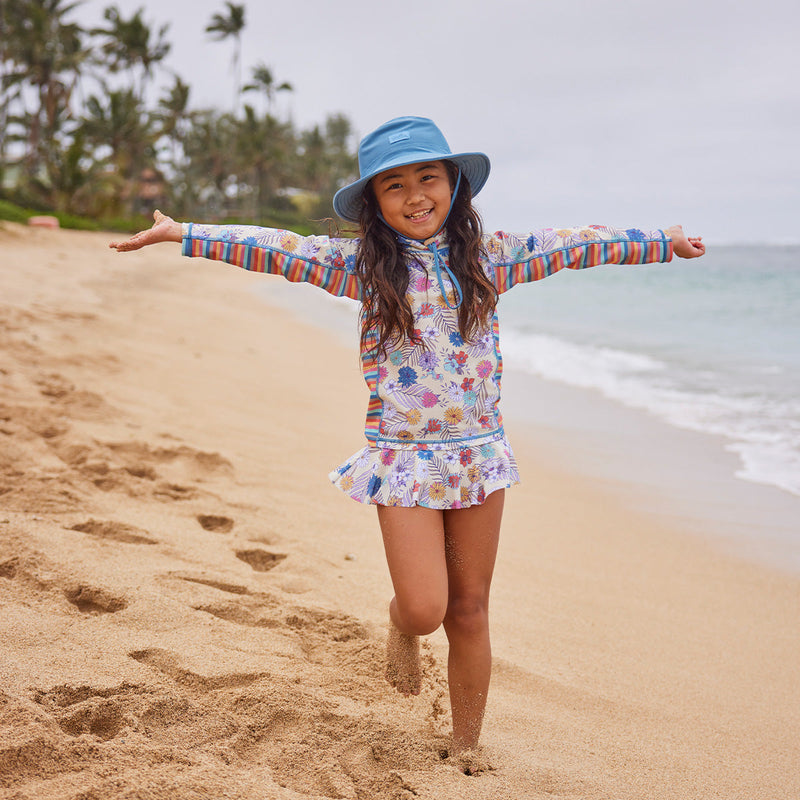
[{"x": 164, "y": 229}]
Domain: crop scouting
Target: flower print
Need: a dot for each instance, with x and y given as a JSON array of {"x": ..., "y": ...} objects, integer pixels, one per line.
[
  {"x": 531, "y": 243},
  {"x": 466, "y": 384},
  {"x": 338, "y": 262},
  {"x": 430, "y": 333},
  {"x": 453, "y": 415},
  {"x": 405, "y": 435},
  {"x": 407, "y": 375},
  {"x": 437, "y": 491},
  {"x": 423, "y": 467},
  {"x": 588, "y": 235},
  {"x": 470, "y": 398},
  {"x": 428, "y": 361},
  {"x": 635, "y": 235},
  {"x": 350, "y": 262},
  {"x": 399, "y": 476},
  {"x": 374, "y": 485},
  {"x": 465, "y": 457},
  {"x": 455, "y": 392},
  {"x": 433, "y": 426},
  {"x": 494, "y": 248},
  {"x": 346, "y": 483},
  {"x": 426, "y": 309},
  {"x": 289, "y": 242},
  {"x": 465, "y": 494},
  {"x": 413, "y": 416},
  {"x": 396, "y": 357},
  {"x": 484, "y": 369},
  {"x": 455, "y": 362},
  {"x": 491, "y": 472},
  {"x": 363, "y": 459},
  {"x": 383, "y": 373},
  {"x": 487, "y": 340},
  {"x": 450, "y": 457},
  {"x": 390, "y": 386},
  {"x": 564, "y": 233},
  {"x": 485, "y": 421},
  {"x": 424, "y": 453},
  {"x": 456, "y": 339},
  {"x": 429, "y": 399},
  {"x": 474, "y": 473},
  {"x": 454, "y": 481},
  {"x": 481, "y": 495},
  {"x": 387, "y": 457},
  {"x": 487, "y": 450}
]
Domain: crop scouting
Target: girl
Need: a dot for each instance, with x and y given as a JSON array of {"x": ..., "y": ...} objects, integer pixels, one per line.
[{"x": 437, "y": 462}]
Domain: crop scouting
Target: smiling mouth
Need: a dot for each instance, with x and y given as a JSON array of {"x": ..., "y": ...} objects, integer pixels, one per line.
[{"x": 419, "y": 214}]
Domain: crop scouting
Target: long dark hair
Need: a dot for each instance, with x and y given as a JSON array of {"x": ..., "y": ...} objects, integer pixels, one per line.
[{"x": 381, "y": 268}]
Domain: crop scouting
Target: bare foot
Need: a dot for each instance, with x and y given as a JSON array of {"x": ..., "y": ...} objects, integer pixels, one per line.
[{"x": 402, "y": 662}]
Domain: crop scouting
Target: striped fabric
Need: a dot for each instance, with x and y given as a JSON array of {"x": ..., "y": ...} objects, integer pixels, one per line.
[{"x": 266, "y": 250}]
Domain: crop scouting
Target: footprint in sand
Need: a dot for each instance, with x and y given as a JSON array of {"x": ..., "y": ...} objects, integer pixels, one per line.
[
  {"x": 168, "y": 663},
  {"x": 93, "y": 600},
  {"x": 115, "y": 531},
  {"x": 231, "y": 588},
  {"x": 214, "y": 523},
  {"x": 260, "y": 560}
]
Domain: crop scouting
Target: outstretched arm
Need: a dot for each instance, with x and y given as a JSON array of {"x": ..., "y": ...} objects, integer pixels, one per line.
[
  {"x": 685, "y": 246},
  {"x": 164, "y": 229}
]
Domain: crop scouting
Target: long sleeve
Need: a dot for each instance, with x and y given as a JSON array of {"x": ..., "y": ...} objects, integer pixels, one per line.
[
  {"x": 514, "y": 258},
  {"x": 319, "y": 260}
]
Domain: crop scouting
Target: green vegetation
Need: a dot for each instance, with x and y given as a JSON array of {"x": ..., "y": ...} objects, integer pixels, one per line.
[{"x": 109, "y": 160}]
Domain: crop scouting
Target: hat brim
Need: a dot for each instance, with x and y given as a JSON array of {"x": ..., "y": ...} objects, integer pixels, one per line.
[{"x": 475, "y": 167}]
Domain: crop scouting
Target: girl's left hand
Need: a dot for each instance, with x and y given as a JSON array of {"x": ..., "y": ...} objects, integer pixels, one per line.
[{"x": 685, "y": 246}]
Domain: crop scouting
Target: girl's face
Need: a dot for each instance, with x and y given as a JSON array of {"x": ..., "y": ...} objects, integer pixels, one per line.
[{"x": 414, "y": 199}]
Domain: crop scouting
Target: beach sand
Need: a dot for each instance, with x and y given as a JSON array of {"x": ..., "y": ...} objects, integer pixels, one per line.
[{"x": 188, "y": 609}]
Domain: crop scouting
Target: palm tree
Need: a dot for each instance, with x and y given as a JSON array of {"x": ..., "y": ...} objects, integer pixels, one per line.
[
  {"x": 172, "y": 115},
  {"x": 119, "y": 122},
  {"x": 130, "y": 43},
  {"x": 46, "y": 54},
  {"x": 265, "y": 83},
  {"x": 221, "y": 27}
]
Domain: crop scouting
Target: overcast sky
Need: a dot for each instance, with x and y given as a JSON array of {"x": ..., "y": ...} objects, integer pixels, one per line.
[{"x": 625, "y": 112}]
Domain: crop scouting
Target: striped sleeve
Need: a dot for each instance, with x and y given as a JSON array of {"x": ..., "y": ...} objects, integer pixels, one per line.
[
  {"x": 319, "y": 260},
  {"x": 513, "y": 258}
]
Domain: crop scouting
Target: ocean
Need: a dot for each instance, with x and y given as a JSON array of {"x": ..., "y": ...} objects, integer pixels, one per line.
[{"x": 710, "y": 345}]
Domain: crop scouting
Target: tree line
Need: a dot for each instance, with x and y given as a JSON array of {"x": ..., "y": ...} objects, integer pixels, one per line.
[{"x": 78, "y": 134}]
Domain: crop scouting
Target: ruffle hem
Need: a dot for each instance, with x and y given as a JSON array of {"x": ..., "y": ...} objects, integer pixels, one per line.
[{"x": 434, "y": 477}]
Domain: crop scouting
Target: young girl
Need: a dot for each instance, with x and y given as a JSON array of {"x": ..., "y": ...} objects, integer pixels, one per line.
[{"x": 437, "y": 462}]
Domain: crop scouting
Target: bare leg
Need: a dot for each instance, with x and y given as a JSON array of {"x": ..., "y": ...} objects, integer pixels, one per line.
[
  {"x": 471, "y": 537},
  {"x": 414, "y": 542}
]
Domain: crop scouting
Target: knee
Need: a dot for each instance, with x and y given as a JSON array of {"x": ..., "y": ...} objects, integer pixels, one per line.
[
  {"x": 467, "y": 616},
  {"x": 421, "y": 616}
]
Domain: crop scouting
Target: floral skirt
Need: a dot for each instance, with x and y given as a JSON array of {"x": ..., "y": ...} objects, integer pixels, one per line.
[{"x": 438, "y": 475}]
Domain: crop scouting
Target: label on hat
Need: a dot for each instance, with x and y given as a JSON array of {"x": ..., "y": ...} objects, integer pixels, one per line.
[{"x": 399, "y": 137}]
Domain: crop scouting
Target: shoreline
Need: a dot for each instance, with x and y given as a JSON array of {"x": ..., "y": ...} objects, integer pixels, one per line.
[{"x": 191, "y": 610}]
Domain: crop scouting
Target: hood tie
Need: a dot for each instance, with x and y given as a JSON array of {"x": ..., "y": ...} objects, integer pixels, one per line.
[{"x": 438, "y": 263}]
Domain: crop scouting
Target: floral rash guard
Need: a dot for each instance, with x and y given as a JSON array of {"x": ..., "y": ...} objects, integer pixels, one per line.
[{"x": 434, "y": 430}]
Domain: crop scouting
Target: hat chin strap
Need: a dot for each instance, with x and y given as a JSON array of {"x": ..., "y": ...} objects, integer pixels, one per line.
[{"x": 438, "y": 261}]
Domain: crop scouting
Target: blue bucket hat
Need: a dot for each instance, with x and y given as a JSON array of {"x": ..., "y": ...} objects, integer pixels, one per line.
[{"x": 402, "y": 141}]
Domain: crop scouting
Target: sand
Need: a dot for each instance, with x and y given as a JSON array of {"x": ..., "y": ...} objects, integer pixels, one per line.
[{"x": 189, "y": 610}]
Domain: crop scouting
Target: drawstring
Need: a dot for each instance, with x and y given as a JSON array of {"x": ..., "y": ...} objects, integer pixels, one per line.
[
  {"x": 437, "y": 260},
  {"x": 437, "y": 257}
]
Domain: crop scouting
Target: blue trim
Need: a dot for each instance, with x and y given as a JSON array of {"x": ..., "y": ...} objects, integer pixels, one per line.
[{"x": 496, "y": 433}]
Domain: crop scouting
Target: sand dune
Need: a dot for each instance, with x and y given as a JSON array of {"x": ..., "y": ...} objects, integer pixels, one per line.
[{"x": 188, "y": 610}]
